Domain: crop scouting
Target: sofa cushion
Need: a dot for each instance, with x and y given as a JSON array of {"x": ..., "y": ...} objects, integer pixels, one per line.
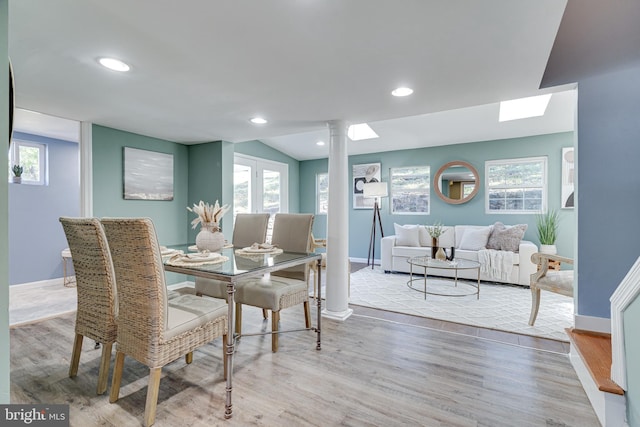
[
  {"x": 446, "y": 239},
  {"x": 407, "y": 235},
  {"x": 409, "y": 252},
  {"x": 473, "y": 256},
  {"x": 506, "y": 238},
  {"x": 460, "y": 230},
  {"x": 475, "y": 239}
]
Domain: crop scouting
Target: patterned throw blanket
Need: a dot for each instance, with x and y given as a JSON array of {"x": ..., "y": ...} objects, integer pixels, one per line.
[{"x": 496, "y": 264}]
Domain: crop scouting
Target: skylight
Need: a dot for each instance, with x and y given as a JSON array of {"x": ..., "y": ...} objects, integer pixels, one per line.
[
  {"x": 523, "y": 108},
  {"x": 361, "y": 131}
]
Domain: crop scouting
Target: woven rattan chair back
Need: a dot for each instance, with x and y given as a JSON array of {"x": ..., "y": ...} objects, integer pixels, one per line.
[
  {"x": 142, "y": 293},
  {"x": 151, "y": 329},
  {"x": 96, "y": 289}
]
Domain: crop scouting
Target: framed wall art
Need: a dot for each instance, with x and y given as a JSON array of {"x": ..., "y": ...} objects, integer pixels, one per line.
[
  {"x": 568, "y": 176},
  {"x": 363, "y": 174},
  {"x": 148, "y": 175}
]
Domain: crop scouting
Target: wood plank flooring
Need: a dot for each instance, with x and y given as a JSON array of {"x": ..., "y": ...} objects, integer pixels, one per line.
[{"x": 370, "y": 372}]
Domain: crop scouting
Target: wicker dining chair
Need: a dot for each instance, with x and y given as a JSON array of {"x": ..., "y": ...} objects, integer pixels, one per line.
[
  {"x": 291, "y": 233},
  {"x": 248, "y": 229},
  {"x": 151, "y": 328},
  {"x": 96, "y": 289}
]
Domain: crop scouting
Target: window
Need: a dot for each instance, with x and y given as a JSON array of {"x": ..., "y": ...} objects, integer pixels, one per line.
[
  {"x": 32, "y": 156},
  {"x": 260, "y": 186},
  {"x": 410, "y": 190},
  {"x": 516, "y": 185},
  {"x": 322, "y": 193}
]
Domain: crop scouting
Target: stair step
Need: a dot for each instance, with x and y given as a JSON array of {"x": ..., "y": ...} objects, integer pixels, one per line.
[{"x": 595, "y": 350}]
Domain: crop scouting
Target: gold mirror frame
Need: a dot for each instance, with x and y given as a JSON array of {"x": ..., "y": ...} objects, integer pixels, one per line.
[{"x": 438, "y": 177}]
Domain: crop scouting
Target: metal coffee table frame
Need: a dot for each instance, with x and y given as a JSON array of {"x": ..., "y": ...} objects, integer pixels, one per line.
[{"x": 425, "y": 262}]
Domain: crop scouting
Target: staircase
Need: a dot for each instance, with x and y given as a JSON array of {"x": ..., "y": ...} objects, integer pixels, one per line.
[{"x": 591, "y": 358}]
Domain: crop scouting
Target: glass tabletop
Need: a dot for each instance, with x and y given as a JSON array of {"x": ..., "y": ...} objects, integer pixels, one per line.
[
  {"x": 239, "y": 265},
  {"x": 458, "y": 263}
]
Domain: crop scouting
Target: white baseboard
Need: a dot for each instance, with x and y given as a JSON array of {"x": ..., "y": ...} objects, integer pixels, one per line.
[
  {"x": 364, "y": 260},
  {"x": 40, "y": 284},
  {"x": 593, "y": 324}
]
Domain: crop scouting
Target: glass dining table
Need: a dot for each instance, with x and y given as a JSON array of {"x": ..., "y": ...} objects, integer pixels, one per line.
[{"x": 238, "y": 268}]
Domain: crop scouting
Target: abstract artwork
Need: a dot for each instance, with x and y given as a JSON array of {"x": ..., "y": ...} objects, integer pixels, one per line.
[
  {"x": 568, "y": 176},
  {"x": 148, "y": 175},
  {"x": 363, "y": 174}
]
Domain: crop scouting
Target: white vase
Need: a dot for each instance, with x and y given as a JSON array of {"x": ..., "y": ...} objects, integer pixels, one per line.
[
  {"x": 548, "y": 249},
  {"x": 210, "y": 237}
]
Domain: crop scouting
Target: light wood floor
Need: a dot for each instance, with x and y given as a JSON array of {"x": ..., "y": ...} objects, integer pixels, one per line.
[{"x": 370, "y": 372}]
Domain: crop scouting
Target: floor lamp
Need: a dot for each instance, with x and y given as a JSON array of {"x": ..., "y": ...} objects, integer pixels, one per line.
[{"x": 377, "y": 190}]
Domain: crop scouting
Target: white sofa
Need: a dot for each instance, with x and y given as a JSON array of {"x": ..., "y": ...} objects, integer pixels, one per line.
[{"x": 395, "y": 256}]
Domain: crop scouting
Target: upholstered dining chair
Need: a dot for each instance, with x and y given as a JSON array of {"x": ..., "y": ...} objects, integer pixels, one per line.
[
  {"x": 557, "y": 281},
  {"x": 248, "y": 229},
  {"x": 151, "y": 328},
  {"x": 96, "y": 289},
  {"x": 291, "y": 233}
]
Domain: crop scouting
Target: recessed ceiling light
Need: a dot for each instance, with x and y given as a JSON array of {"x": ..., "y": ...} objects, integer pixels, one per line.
[
  {"x": 402, "y": 91},
  {"x": 361, "y": 131},
  {"x": 533, "y": 106},
  {"x": 320, "y": 143},
  {"x": 258, "y": 121},
  {"x": 114, "y": 64}
]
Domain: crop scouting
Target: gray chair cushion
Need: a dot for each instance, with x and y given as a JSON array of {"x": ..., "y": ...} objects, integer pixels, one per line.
[{"x": 267, "y": 293}]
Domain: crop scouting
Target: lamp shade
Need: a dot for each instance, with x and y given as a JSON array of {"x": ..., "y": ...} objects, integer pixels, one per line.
[{"x": 375, "y": 189}]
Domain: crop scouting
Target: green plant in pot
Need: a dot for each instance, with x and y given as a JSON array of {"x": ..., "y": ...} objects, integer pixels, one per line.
[
  {"x": 547, "y": 225},
  {"x": 435, "y": 231},
  {"x": 17, "y": 173}
]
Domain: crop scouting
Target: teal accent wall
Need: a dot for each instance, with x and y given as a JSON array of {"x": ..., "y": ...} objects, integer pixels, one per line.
[
  {"x": 4, "y": 208},
  {"x": 472, "y": 212},
  {"x": 170, "y": 218},
  {"x": 631, "y": 318},
  {"x": 211, "y": 179},
  {"x": 258, "y": 149}
]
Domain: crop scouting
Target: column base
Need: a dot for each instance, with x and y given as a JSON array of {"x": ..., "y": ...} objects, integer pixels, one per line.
[{"x": 337, "y": 315}]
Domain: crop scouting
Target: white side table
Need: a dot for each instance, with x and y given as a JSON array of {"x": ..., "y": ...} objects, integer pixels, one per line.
[{"x": 67, "y": 281}]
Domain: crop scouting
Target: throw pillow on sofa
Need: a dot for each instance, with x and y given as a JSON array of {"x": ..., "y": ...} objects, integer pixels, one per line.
[
  {"x": 474, "y": 240},
  {"x": 407, "y": 235},
  {"x": 506, "y": 238}
]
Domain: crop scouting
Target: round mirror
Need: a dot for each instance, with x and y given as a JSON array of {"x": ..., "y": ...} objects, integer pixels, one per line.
[{"x": 456, "y": 182}]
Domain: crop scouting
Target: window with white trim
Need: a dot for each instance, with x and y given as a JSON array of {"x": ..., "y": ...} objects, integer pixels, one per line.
[
  {"x": 516, "y": 186},
  {"x": 410, "y": 190},
  {"x": 32, "y": 156},
  {"x": 322, "y": 193}
]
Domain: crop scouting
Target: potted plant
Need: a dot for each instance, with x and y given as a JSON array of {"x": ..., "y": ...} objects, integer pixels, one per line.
[
  {"x": 547, "y": 225},
  {"x": 435, "y": 231},
  {"x": 17, "y": 173}
]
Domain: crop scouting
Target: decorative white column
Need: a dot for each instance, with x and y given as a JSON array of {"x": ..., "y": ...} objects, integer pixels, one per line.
[
  {"x": 337, "y": 277},
  {"x": 86, "y": 169}
]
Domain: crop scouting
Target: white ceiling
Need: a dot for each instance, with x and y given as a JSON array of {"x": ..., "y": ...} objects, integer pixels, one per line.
[{"x": 202, "y": 68}]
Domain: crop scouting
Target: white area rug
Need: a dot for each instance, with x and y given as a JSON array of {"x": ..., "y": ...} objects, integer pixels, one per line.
[{"x": 501, "y": 307}]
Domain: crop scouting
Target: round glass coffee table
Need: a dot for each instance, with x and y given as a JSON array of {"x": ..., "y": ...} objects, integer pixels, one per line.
[{"x": 420, "y": 264}]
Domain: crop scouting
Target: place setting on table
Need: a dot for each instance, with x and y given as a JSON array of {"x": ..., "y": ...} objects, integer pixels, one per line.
[
  {"x": 258, "y": 250},
  {"x": 195, "y": 257}
]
